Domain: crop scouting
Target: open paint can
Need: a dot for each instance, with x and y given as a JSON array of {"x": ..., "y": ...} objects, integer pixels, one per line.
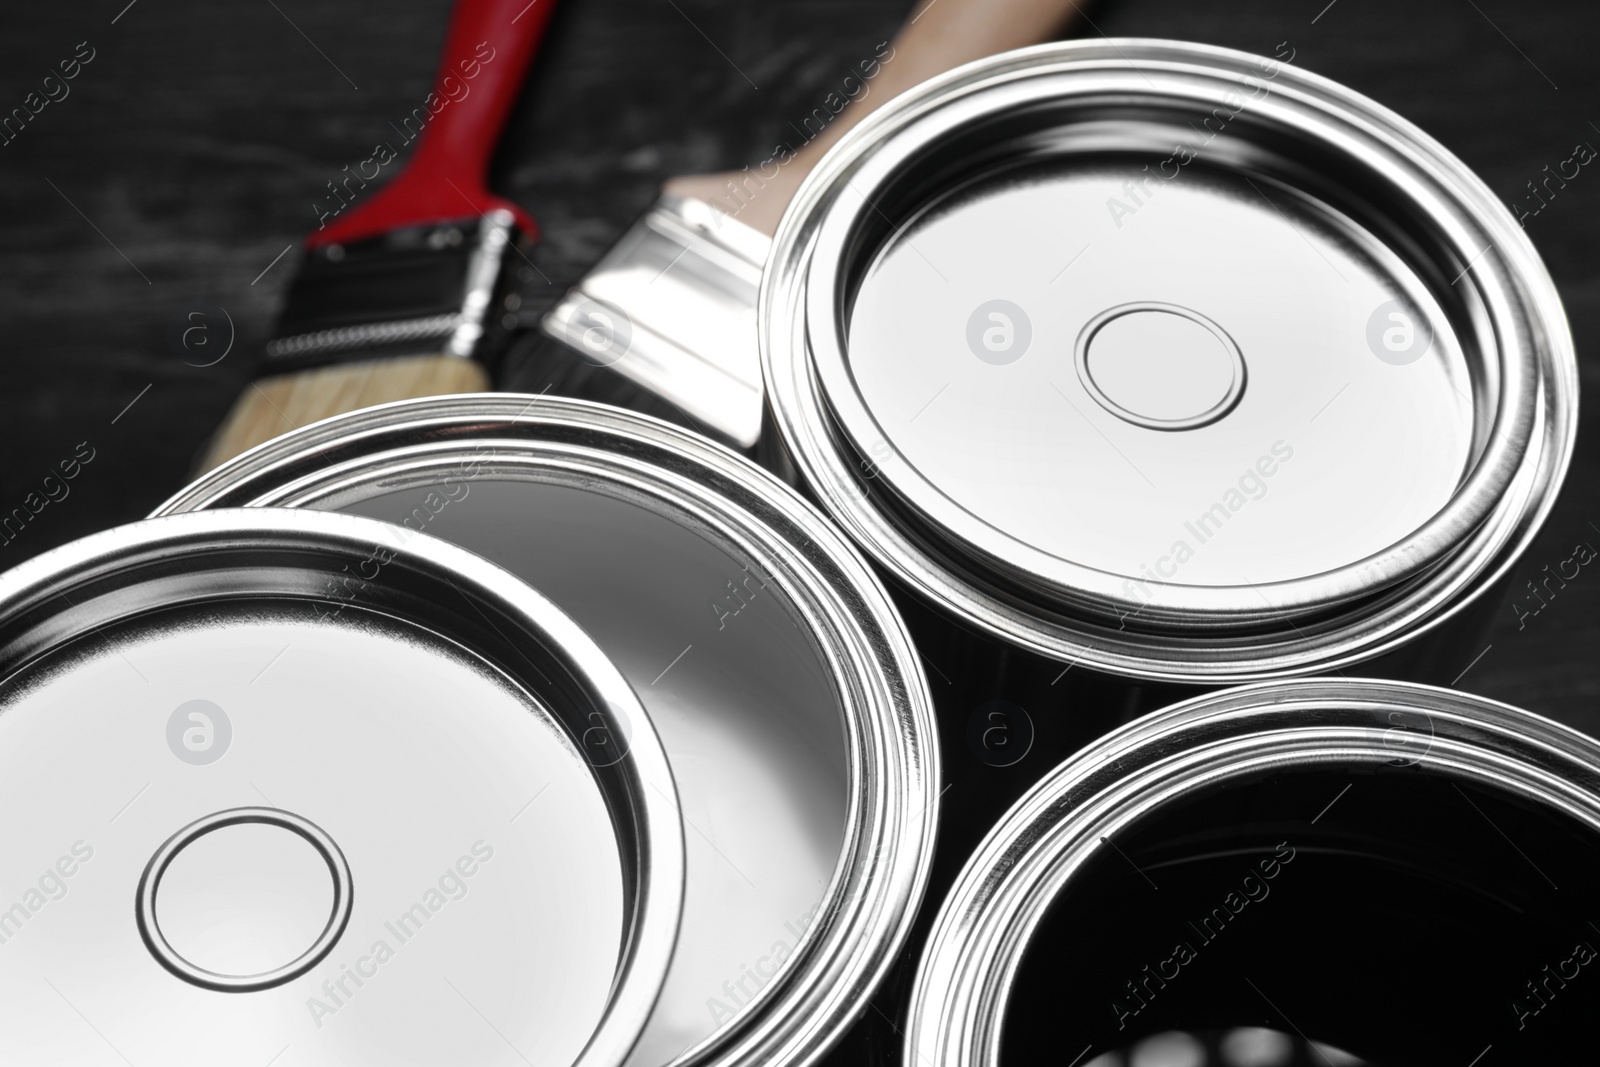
[
  {"x": 789, "y": 700},
  {"x": 1321, "y": 871}
]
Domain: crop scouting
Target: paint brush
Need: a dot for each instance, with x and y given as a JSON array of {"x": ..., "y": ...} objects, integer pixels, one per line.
[
  {"x": 672, "y": 306},
  {"x": 403, "y": 294}
]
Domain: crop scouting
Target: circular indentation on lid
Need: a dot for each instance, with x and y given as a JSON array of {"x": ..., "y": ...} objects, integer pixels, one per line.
[
  {"x": 1160, "y": 366},
  {"x": 244, "y": 899}
]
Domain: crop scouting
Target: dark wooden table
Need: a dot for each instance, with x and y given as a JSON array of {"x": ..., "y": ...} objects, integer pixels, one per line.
[{"x": 192, "y": 145}]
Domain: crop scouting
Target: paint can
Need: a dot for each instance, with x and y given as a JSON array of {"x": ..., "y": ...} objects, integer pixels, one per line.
[
  {"x": 1167, "y": 362},
  {"x": 287, "y": 784},
  {"x": 788, "y": 697},
  {"x": 1311, "y": 871}
]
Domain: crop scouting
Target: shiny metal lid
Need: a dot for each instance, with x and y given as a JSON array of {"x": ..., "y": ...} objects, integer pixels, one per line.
[
  {"x": 1353, "y": 740},
  {"x": 288, "y": 787},
  {"x": 1104, "y": 343},
  {"x": 790, "y": 702}
]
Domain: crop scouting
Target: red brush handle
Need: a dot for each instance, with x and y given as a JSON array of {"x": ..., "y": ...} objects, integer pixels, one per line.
[{"x": 486, "y": 53}]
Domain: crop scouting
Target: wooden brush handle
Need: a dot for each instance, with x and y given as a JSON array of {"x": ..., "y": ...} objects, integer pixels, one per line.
[
  {"x": 274, "y": 406},
  {"x": 277, "y": 405},
  {"x": 938, "y": 35}
]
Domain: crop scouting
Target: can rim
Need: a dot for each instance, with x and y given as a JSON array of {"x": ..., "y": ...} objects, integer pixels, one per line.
[
  {"x": 893, "y": 761},
  {"x": 1080, "y": 614},
  {"x": 969, "y": 966},
  {"x": 644, "y": 783}
]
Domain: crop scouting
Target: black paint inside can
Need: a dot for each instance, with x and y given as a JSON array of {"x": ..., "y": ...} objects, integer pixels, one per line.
[{"x": 1418, "y": 920}]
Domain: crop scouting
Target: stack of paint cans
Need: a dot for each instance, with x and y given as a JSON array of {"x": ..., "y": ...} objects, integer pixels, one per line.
[{"x": 1124, "y": 399}]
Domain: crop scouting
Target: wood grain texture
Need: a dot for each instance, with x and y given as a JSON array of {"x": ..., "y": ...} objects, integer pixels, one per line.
[
  {"x": 193, "y": 147},
  {"x": 286, "y": 402}
]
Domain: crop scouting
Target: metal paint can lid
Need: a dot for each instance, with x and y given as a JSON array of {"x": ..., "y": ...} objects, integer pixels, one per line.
[
  {"x": 301, "y": 790},
  {"x": 1239, "y": 878},
  {"x": 787, "y": 694},
  {"x": 1102, "y": 344}
]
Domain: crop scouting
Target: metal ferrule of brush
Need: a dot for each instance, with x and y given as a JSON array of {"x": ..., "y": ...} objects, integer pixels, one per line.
[
  {"x": 673, "y": 308},
  {"x": 439, "y": 289}
]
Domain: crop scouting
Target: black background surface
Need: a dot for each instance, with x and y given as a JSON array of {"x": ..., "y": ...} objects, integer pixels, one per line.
[{"x": 191, "y": 149}]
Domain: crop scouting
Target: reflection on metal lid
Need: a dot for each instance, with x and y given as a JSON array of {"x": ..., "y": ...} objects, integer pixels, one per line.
[
  {"x": 1167, "y": 359},
  {"x": 313, "y": 788}
]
